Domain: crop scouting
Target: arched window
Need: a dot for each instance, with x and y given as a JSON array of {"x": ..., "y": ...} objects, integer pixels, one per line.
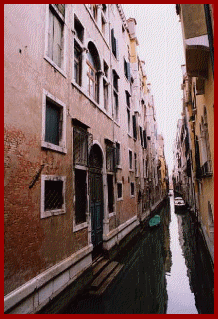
[{"x": 93, "y": 68}]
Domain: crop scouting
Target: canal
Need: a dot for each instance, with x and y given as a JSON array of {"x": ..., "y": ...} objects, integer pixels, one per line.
[{"x": 167, "y": 271}]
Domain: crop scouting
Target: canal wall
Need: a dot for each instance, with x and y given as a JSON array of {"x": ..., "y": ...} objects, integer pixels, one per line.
[{"x": 53, "y": 288}]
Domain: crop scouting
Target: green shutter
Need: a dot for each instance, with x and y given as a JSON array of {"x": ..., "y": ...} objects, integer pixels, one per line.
[{"x": 53, "y": 114}]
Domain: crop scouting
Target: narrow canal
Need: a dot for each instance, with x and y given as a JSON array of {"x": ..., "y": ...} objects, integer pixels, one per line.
[{"x": 167, "y": 271}]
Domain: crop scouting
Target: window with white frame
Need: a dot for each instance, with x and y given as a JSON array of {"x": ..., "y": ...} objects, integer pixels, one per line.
[
  {"x": 56, "y": 33},
  {"x": 53, "y": 123},
  {"x": 52, "y": 195}
]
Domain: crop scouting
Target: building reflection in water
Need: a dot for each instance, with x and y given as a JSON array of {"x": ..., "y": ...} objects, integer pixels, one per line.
[{"x": 198, "y": 262}]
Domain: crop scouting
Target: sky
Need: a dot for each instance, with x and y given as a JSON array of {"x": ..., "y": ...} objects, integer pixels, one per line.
[{"x": 159, "y": 34}]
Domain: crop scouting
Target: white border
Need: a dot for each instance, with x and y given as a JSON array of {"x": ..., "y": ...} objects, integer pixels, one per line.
[
  {"x": 62, "y": 144},
  {"x": 45, "y": 214}
]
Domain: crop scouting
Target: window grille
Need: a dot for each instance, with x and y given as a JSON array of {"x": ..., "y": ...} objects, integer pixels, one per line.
[
  {"x": 82, "y": 142},
  {"x": 110, "y": 157},
  {"x": 53, "y": 195}
]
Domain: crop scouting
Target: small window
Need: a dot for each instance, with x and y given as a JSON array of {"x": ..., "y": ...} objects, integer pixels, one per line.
[
  {"x": 132, "y": 189},
  {"x": 130, "y": 159},
  {"x": 136, "y": 168},
  {"x": 105, "y": 69},
  {"x": 117, "y": 154},
  {"x": 105, "y": 88},
  {"x": 119, "y": 190},
  {"x": 52, "y": 195},
  {"x": 141, "y": 136},
  {"x": 54, "y": 123},
  {"x": 115, "y": 80},
  {"x": 104, "y": 8},
  {"x": 80, "y": 196},
  {"x": 110, "y": 157},
  {"x": 127, "y": 69},
  {"x": 116, "y": 107},
  {"x": 77, "y": 64},
  {"x": 78, "y": 28},
  {"x": 127, "y": 99},
  {"x": 114, "y": 44},
  {"x": 128, "y": 119},
  {"x": 110, "y": 186},
  {"x": 55, "y": 37},
  {"x": 134, "y": 127}
]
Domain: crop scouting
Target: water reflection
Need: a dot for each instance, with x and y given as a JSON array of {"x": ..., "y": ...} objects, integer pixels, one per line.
[
  {"x": 166, "y": 270},
  {"x": 190, "y": 287}
]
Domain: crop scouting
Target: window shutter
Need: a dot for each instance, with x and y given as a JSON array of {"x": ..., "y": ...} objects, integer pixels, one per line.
[
  {"x": 52, "y": 124},
  {"x": 57, "y": 42}
]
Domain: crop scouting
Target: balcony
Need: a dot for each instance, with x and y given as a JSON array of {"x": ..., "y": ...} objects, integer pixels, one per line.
[
  {"x": 206, "y": 169},
  {"x": 195, "y": 39}
]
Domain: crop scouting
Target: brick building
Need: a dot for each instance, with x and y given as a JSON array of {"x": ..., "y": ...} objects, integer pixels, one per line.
[{"x": 81, "y": 150}]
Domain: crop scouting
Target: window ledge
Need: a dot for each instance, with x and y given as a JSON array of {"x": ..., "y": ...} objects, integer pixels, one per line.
[
  {"x": 54, "y": 212},
  {"x": 119, "y": 199},
  {"x": 80, "y": 226},
  {"x": 112, "y": 214},
  {"x": 55, "y": 66},
  {"x": 54, "y": 147},
  {"x": 119, "y": 167}
]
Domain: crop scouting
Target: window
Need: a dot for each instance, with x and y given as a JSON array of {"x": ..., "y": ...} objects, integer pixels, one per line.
[
  {"x": 52, "y": 195},
  {"x": 130, "y": 159},
  {"x": 80, "y": 146},
  {"x": 114, "y": 44},
  {"x": 132, "y": 189},
  {"x": 128, "y": 119},
  {"x": 105, "y": 69},
  {"x": 127, "y": 99},
  {"x": 93, "y": 66},
  {"x": 145, "y": 138},
  {"x": 141, "y": 136},
  {"x": 78, "y": 28},
  {"x": 94, "y": 10},
  {"x": 55, "y": 34},
  {"x": 116, "y": 107},
  {"x": 119, "y": 190},
  {"x": 77, "y": 64},
  {"x": 134, "y": 127},
  {"x": 105, "y": 88},
  {"x": 117, "y": 154},
  {"x": 127, "y": 70},
  {"x": 53, "y": 123},
  {"x": 115, "y": 94},
  {"x": 136, "y": 168},
  {"x": 80, "y": 196},
  {"x": 110, "y": 156},
  {"x": 110, "y": 187}
]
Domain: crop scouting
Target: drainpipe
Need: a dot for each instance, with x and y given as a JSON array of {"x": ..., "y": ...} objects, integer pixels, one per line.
[{"x": 210, "y": 33}]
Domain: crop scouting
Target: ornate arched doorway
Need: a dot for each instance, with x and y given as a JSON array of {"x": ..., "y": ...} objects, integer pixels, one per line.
[{"x": 96, "y": 198}]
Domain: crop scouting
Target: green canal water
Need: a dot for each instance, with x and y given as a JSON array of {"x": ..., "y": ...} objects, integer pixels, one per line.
[{"x": 167, "y": 271}]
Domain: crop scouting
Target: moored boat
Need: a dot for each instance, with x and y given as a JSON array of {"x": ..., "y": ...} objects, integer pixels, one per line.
[{"x": 154, "y": 221}]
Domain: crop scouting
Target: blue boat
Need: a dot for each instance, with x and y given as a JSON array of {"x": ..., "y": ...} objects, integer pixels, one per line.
[{"x": 154, "y": 221}]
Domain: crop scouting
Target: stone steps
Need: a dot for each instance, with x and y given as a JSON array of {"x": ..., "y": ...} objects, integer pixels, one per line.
[{"x": 105, "y": 271}]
